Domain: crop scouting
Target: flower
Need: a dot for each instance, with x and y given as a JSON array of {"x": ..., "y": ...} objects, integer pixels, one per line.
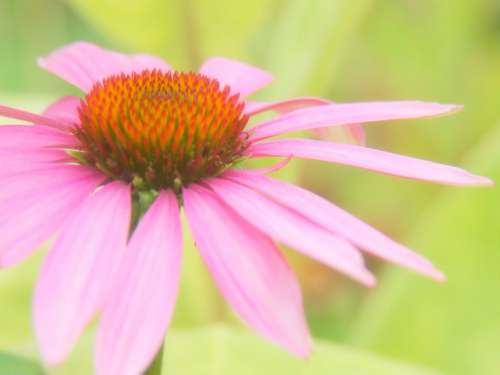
[{"x": 106, "y": 175}]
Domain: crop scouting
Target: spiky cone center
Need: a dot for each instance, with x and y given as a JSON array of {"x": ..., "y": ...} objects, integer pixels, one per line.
[{"x": 161, "y": 130}]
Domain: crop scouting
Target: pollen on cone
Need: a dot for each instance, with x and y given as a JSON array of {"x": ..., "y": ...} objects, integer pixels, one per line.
[{"x": 161, "y": 128}]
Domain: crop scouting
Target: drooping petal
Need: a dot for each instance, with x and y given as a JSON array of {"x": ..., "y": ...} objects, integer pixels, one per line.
[
  {"x": 135, "y": 318},
  {"x": 32, "y": 118},
  {"x": 249, "y": 270},
  {"x": 77, "y": 273},
  {"x": 32, "y": 209},
  {"x": 83, "y": 64},
  {"x": 344, "y": 114},
  {"x": 292, "y": 229},
  {"x": 356, "y": 131},
  {"x": 368, "y": 158},
  {"x": 335, "y": 219},
  {"x": 28, "y": 145},
  {"x": 242, "y": 78}
]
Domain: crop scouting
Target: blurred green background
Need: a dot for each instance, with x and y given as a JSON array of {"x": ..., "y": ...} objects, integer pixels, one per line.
[{"x": 344, "y": 50}]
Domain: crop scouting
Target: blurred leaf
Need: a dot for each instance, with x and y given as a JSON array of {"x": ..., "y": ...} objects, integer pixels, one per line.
[
  {"x": 301, "y": 42},
  {"x": 148, "y": 25},
  {"x": 310, "y": 39},
  {"x": 220, "y": 350},
  {"x": 442, "y": 51},
  {"x": 228, "y": 28},
  {"x": 453, "y": 326},
  {"x": 21, "y": 46},
  {"x": 14, "y": 365},
  {"x": 184, "y": 31},
  {"x": 80, "y": 360},
  {"x": 16, "y": 286},
  {"x": 198, "y": 301}
]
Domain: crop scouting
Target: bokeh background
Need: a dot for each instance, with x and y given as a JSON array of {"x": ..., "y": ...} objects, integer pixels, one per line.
[{"x": 436, "y": 50}]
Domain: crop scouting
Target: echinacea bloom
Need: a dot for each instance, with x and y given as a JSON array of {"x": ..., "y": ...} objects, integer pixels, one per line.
[{"x": 106, "y": 175}]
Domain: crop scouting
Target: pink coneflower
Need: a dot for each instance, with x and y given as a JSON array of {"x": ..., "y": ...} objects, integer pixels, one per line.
[{"x": 106, "y": 175}]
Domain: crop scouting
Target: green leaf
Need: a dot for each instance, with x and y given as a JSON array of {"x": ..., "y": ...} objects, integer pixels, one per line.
[
  {"x": 183, "y": 32},
  {"x": 221, "y": 350},
  {"x": 14, "y": 365},
  {"x": 453, "y": 326}
]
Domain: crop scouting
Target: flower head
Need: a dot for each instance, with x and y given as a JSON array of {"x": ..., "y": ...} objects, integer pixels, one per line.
[
  {"x": 76, "y": 173},
  {"x": 161, "y": 129}
]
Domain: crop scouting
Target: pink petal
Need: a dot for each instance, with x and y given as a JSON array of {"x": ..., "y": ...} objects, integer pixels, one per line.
[
  {"x": 242, "y": 78},
  {"x": 292, "y": 229},
  {"x": 19, "y": 138},
  {"x": 77, "y": 273},
  {"x": 65, "y": 109},
  {"x": 45, "y": 179},
  {"x": 289, "y": 105},
  {"x": 354, "y": 133},
  {"x": 345, "y": 114},
  {"x": 368, "y": 158},
  {"x": 18, "y": 161},
  {"x": 32, "y": 118},
  {"x": 32, "y": 209},
  {"x": 83, "y": 64},
  {"x": 358, "y": 133},
  {"x": 249, "y": 270},
  {"x": 24, "y": 147},
  {"x": 272, "y": 168},
  {"x": 136, "y": 316},
  {"x": 333, "y": 218},
  {"x": 42, "y": 156},
  {"x": 16, "y": 166},
  {"x": 253, "y": 108}
]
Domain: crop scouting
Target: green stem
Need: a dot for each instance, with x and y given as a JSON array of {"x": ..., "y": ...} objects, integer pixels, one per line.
[{"x": 156, "y": 366}]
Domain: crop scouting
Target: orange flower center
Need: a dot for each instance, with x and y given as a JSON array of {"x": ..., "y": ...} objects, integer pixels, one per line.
[{"x": 161, "y": 130}]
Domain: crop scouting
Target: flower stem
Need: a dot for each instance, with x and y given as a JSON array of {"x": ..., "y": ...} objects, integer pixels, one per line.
[{"x": 156, "y": 366}]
